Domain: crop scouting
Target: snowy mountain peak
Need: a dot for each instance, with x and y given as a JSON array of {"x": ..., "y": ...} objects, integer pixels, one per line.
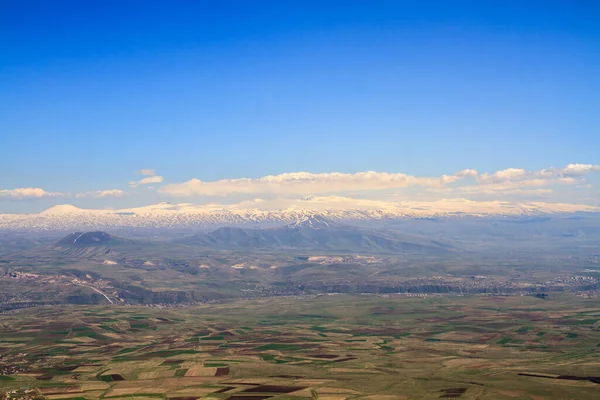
[
  {"x": 312, "y": 222},
  {"x": 62, "y": 209}
]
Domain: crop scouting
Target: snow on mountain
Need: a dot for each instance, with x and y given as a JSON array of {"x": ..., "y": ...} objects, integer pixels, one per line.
[
  {"x": 312, "y": 212},
  {"x": 63, "y": 209},
  {"x": 312, "y": 222}
]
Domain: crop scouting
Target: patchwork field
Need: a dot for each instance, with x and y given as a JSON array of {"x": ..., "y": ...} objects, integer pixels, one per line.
[{"x": 326, "y": 347}]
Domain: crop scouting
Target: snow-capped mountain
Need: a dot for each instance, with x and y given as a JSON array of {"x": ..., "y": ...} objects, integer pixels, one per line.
[
  {"x": 312, "y": 222},
  {"x": 166, "y": 215}
]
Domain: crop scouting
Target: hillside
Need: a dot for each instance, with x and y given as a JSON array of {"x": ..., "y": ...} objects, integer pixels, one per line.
[
  {"x": 312, "y": 233},
  {"x": 98, "y": 238},
  {"x": 89, "y": 244}
]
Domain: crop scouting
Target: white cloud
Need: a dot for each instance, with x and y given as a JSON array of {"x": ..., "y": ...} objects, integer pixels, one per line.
[
  {"x": 98, "y": 194},
  {"x": 518, "y": 184},
  {"x": 505, "y": 174},
  {"x": 471, "y": 173},
  {"x": 151, "y": 177},
  {"x": 517, "y": 181},
  {"x": 517, "y": 174},
  {"x": 375, "y": 208},
  {"x": 111, "y": 193},
  {"x": 580, "y": 169},
  {"x": 311, "y": 203},
  {"x": 27, "y": 193},
  {"x": 367, "y": 188},
  {"x": 503, "y": 190},
  {"x": 146, "y": 181},
  {"x": 305, "y": 183}
]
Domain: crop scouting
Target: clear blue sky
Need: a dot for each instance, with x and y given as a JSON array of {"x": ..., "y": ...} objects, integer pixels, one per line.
[{"x": 93, "y": 90}]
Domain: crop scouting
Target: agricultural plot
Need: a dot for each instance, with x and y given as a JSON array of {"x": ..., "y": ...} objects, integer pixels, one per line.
[{"x": 330, "y": 347}]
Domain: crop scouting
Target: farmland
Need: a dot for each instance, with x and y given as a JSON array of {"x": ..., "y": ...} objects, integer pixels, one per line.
[{"x": 333, "y": 347}]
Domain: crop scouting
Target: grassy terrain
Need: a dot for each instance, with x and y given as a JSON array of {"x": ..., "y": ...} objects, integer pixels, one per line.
[{"x": 341, "y": 347}]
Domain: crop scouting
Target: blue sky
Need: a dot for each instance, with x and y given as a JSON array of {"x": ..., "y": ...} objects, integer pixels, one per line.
[{"x": 210, "y": 90}]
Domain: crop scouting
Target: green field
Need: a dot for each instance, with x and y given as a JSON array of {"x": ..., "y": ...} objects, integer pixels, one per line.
[{"x": 332, "y": 347}]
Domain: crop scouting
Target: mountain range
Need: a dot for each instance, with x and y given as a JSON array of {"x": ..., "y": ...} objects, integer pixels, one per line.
[
  {"x": 310, "y": 234},
  {"x": 313, "y": 233},
  {"x": 166, "y": 215}
]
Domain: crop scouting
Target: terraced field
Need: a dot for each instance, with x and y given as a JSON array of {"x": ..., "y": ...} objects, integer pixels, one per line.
[{"x": 328, "y": 347}]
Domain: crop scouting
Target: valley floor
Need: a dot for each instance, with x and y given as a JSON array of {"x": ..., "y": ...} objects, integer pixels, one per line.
[{"x": 326, "y": 347}]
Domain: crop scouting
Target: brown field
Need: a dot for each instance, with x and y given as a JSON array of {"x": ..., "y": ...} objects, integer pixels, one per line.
[{"x": 453, "y": 348}]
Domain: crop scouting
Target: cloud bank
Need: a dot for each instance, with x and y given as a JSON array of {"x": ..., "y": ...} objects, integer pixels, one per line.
[
  {"x": 27, "y": 193},
  {"x": 295, "y": 183},
  {"x": 565, "y": 185},
  {"x": 510, "y": 180},
  {"x": 99, "y": 194}
]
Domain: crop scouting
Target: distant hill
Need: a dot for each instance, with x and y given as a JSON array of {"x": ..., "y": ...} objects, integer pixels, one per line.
[
  {"x": 312, "y": 233},
  {"x": 90, "y": 243},
  {"x": 98, "y": 238}
]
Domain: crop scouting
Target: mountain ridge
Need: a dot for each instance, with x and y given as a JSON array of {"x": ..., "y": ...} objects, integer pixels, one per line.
[
  {"x": 89, "y": 244},
  {"x": 313, "y": 233},
  {"x": 95, "y": 238},
  {"x": 166, "y": 215}
]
